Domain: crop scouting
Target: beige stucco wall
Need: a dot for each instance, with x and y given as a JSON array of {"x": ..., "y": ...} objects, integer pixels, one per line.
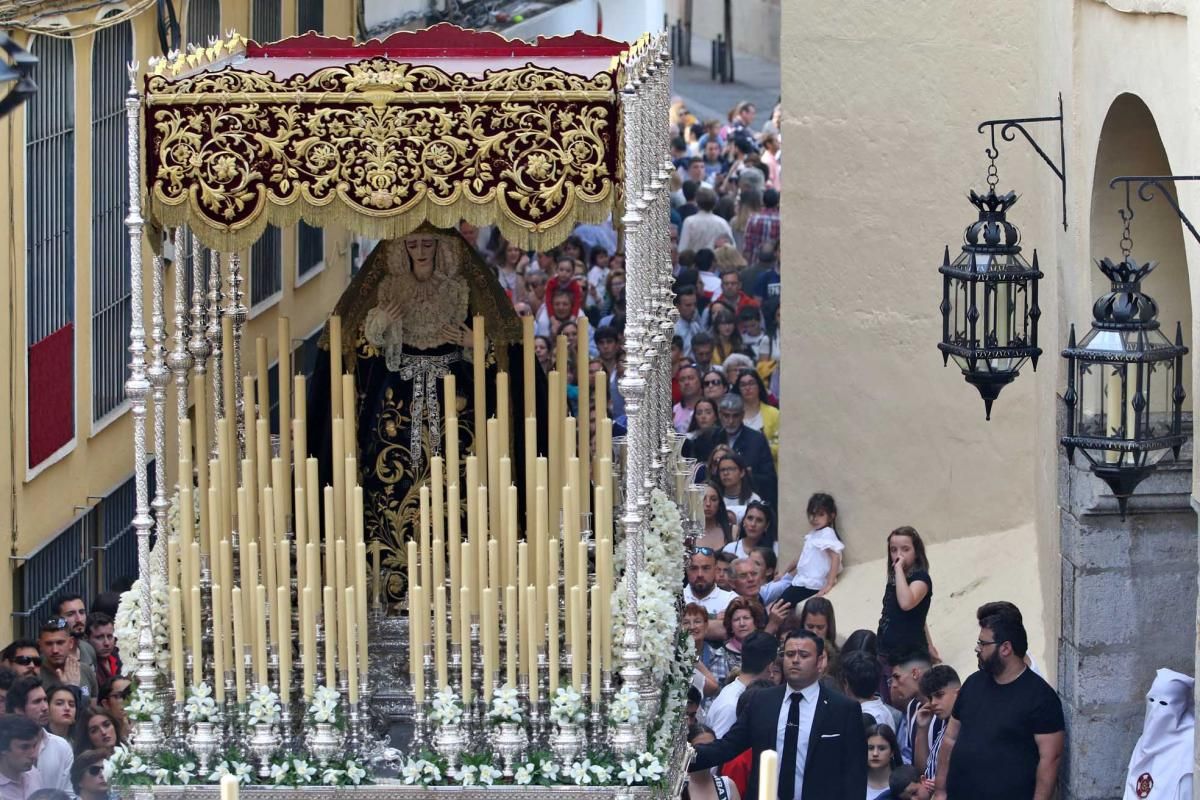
[{"x": 881, "y": 121}]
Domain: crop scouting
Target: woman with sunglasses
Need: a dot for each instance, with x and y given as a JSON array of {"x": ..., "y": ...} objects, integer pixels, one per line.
[
  {"x": 63, "y": 702},
  {"x": 736, "y": 487},
  {"x": 718, "y": 522},
  {"x": 98, "y": 729},
  {"x": 87, "y": 775},
  {"x": 713, "y": 386}
]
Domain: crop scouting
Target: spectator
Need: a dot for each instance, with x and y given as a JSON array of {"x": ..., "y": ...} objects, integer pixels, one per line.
[
  {"x": 690, "y": 187},
  {"x": 749, "y": 443},
  {"x": 760, "y": 415},
  {"x": 762, "y": 225},
  {"x": 749, "y": 323},
  {"x": 749, "y": 203},
  {"x": 883, "y": 754},
  {"x": 695, "y": 622},
  {"x": 1005, "y": 607},
  {"x": 1005, "y": 736},
  {"x": 98, "y": 729},
  {"x": 906, "y": 783},
  {"x": 103, "y": 641},
  {"x": 7, "y": 678},
  {"x": 714, "y": 162},
  {"x": 707, "y": 280},
  {"x": 743, "y": 118},
  {"x": 820, "y": 560},
  {"x": 50, "y": 794},
  {"x": 19, "y": 738},
  {"x": 755, "y": 651},
  {"x": 904, "y": 687},
  {"x": 731, "y": 291},
  {"x": 700, "y": 230},
  {"x": 702, "y": 426},
  {"x": 737, "y": 490},
  {"x": 597, "y": 275},
  {"x": 691, "y": 321},
  {"x": 688, "y": 378},
  {"x": 27, "y": 698},
  {"x": 22, "y": 657},
  {"x": 58, "y": 666},
  {"x": 939, "y": 690},
  {"x": 703, "y": 784},
  {"x": 726, "y": 339},
  {"x": 725, "y": 563},
  {"x": 72, "y": 608},
  {"x": 63, "y": 702},
  {"x": 718, "y": 522},
  {"x": 860, "y": 679},
  {"x": 543, "y": 351},
  {"x": 535, "y": 290},
  {"x": 770, "y": 157},
  {"x": 87, "y": 776},
  {"x": 821, "y": 755},
  {"x": 817, "y": 616},
  {"x": 702, "y": 590},
  {"x": 906, "y": 597},
  {"x": 713, "y": 384},
  {"x": 113, "y": 697}
]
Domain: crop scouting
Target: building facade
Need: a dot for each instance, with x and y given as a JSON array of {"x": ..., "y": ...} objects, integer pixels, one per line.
[
  {"x": 66, "y": 452},
  {"x": 881, "y": 108}
]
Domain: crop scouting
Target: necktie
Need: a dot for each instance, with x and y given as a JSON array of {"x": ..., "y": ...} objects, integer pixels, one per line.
[{"x": 791, "y": 740}]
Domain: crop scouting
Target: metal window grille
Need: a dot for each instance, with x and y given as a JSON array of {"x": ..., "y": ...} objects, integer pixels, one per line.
[
  {"x": 310, "y": 16},
  {"x": 266, "y": 266},
  {"x": 111, "y": 298},
  {"x": 310, "y": 247},
  {"x": 203, "y": 21},
  {"x": 117, "y": 541},
  {"x": 266, "y": 20},
  {"x": 50, "y": 191}
]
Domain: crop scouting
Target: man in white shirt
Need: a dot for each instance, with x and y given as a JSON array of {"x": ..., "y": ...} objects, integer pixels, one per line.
[
  {"x": 19, "y": 777},
  {"x": 701, "y": 230},
  {"x": 758, "y": 653},
  {"x": 860, "y": 679},
  {"x": 702, "y": 590},
  {"x": 27, "y": 697}
]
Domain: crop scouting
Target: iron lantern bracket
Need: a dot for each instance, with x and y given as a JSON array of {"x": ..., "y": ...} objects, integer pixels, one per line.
[
  {"x": 1009, "y": 128},
  {"x": 1149, "y": 184}
]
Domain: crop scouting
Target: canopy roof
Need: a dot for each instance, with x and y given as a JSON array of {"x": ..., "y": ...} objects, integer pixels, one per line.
[{"x": 434, "y": 125}]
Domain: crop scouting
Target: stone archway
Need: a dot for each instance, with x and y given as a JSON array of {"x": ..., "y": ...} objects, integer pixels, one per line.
[{"x": 1123, "y": 581}]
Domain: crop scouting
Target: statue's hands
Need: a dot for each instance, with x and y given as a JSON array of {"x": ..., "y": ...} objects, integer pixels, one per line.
[
  {"x": 393, "y": 311},
  {"x": 459, "y": 334}
]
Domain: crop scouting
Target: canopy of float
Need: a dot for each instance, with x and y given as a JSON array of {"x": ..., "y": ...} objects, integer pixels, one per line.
[{"x": 379, "y": 137}]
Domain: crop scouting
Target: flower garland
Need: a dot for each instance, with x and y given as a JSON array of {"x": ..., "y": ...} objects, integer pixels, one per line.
[{"x": 200, "y": 705}]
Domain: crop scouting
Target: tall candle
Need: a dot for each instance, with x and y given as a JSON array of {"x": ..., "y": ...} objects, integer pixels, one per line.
[
  {"x": 339, "y": 482},
  {"x": 280, "y": 494},
  {"x": 542, "y": 548},
  {"x": 568, "y": 549},
  {"x": 262, "y": 462},
  {"x": 552, "y": 636},
  {"x": 230, "y": 787},
  {"x": 335, "y": 365},
  {"x": 330, "y": 574},
  {"x": 270, "y": 556},
  {"x": 502, "y": 412},
  {"x": 187, "y": 525},
  {"x": 454, "y": 544},
  {"x": 331, "y": 635},
  {"x": 494, "y": 566},
  {"x": 422, "y": 620},
  {"x": 528, "y": 365},
  {"x": 350, "y": 657},
  {"x": 530, "y": 452},
  {"x": 469, "y": 581},
  {"x": 195, "y": 576},
  {"x": 453, "y": 462},
  {"x": 600, "y": 404},
  {"x": 493, "y": 478},
  {"x": 510, "y": 535},
  {"x": 360, "y": 587},
  {"x": 481, "y": 552},
  {"x": 554, "y": 452},
  {"x": 301, "y": 522},
  {"x": 479, "y": 377},
  {"x": 248, "y": 581},
  {"x": 522, "y": 582},
  {"x": 283, "y": 611},
  {"x": 200, "y": 393},
  {"x": 487, "y": 634},
  {"x": 510, "y": 635},
  {"x": 239, "y": 644},
  {"x": 313, "y": 498},
  {"x": 594, "y": 668},
  {"x": 261, "y": 371},
  {"x": 350, "y": 414},
  {"x": 194, "y": 636},
  {"x": 472, "y": 496},
  {"x": 464, "y": 638},
  {"x": 339, "y": 593},
  {"x": 313, "y": 564},
  {"x": 172, "y": 564},
  {"x": 308, "y": 655},
  {"x": 426, "y": 547},
  {"x": 260, "y": 636},
  {"x": 438, "y": 560},
  {"x": 283, "y": 379},
  {"x": 228, "y": 386},
  {"x": 178, "y": 676},
  {"x": 219, "y": 642},
  {"x": 576, "y": 637},
  {"x": 437, "y": 498},
  {"x": 439, "y": 636},
  {"x": 583, "y": 415},
  {"x": 530, "y": 614}
]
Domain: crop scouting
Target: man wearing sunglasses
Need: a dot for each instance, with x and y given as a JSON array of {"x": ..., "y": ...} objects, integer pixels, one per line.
[
  {"x": 57, "y": 647},
  {"x": 22, "y": 657}
]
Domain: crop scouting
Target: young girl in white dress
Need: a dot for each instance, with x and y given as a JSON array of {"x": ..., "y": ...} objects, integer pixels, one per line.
[{"x": 821, "y": 559}]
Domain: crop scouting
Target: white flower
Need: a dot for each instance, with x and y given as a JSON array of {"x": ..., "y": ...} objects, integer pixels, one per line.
[
  {"x": 200, "y": 705},
  {"x": 324, "y": 706},
  {"x": 580, "y": 772},
  {"x": 523, "y": 774},
  {"x": 219, "y": 771},
  {"x": 331, "y": 776},
  {"x": 279, "y": 772},
  {"x": 410, "y": 773},
  {"x": 567, "y": 707},
  {"x": 625, "y": 707},
  {"x": 447, "y": 709},
  {"x": 465, "y": 775},
  {"x": 432, "y": 772},
  {"x": 488, "y": 774},
  {"x": 263, "y": 708},
  {"x": 355, "y": 773},
  {"x": 185, "y": 773},
  {"x": 243, "y": 772},
  {"x": 304, "y": 772},
  {"x": 603, "y": 774},
  {"x": 651, "y": 770},
  {"x": 549, "y": 770},
  {"x": 143, "y": 707},
  {"x": 629, "y": 772},
  {"x": 505, "y": 705},
  {"x": 162, "y": 775}
]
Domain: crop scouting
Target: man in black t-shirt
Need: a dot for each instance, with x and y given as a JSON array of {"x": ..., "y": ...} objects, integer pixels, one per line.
[{"x": 1005, "y": 737}]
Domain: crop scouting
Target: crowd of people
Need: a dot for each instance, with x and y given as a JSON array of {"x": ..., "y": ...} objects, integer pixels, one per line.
[{"x": 63, "y": 700}]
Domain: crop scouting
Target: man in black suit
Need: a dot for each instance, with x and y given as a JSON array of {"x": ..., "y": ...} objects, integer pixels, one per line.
[
  {"x": 750, "y": 444},
  {"x": 819, "y": 736}
]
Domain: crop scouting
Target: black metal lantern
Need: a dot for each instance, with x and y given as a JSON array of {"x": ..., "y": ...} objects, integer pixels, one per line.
[
  {"x": 990, "y": 301},
  {"x": 1124, "y": 384}
]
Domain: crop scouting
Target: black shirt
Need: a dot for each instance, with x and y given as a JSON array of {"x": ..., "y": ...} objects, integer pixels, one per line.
[
  {"x": 903, "y": 632},
  {"x": 995, "y": 756}
]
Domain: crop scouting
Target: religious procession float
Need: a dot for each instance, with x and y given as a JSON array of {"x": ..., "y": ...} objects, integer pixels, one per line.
[{"x": 430, "y": 574}]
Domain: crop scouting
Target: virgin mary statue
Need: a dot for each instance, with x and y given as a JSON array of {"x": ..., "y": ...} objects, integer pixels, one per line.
[{"x": 406, "y": 322}]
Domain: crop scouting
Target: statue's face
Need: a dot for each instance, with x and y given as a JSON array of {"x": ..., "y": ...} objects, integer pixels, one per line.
[{"x": 420, "y": 251}]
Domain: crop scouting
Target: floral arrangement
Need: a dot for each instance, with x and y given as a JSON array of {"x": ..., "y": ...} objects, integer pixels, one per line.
[
  {"x": 505, "y": 707},
  {"x": 657, "y": 589},
  {"x": 291, "y": 771},
  {"x": 586, "y": 773},
  {"x": 324, "y": 706},
  {"x": 566, "y": 708},
  {"x": 200, "y": 705},
  {"x": 232, "y": 764},
  {"x": 144, "y": 707},
  {"x": 625, "y": 707},
  {"x": 447, "y": 708},
  {"x": 127, "y": 626},
  {"x": 263, "y": 708},
  {"x": 423, "y": 771},
  {"x": 644, "y": 769},
  {"x": 477, "y": 770},
  {"x": 126, "y": 768},
  {"x": 539, "y": 769}
]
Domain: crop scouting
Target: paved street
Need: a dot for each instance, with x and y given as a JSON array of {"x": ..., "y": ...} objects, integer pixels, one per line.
[{"x": 757, "y": 81}]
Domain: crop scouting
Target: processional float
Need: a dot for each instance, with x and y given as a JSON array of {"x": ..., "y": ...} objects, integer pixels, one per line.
[{"x": 256, "y": 632}]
